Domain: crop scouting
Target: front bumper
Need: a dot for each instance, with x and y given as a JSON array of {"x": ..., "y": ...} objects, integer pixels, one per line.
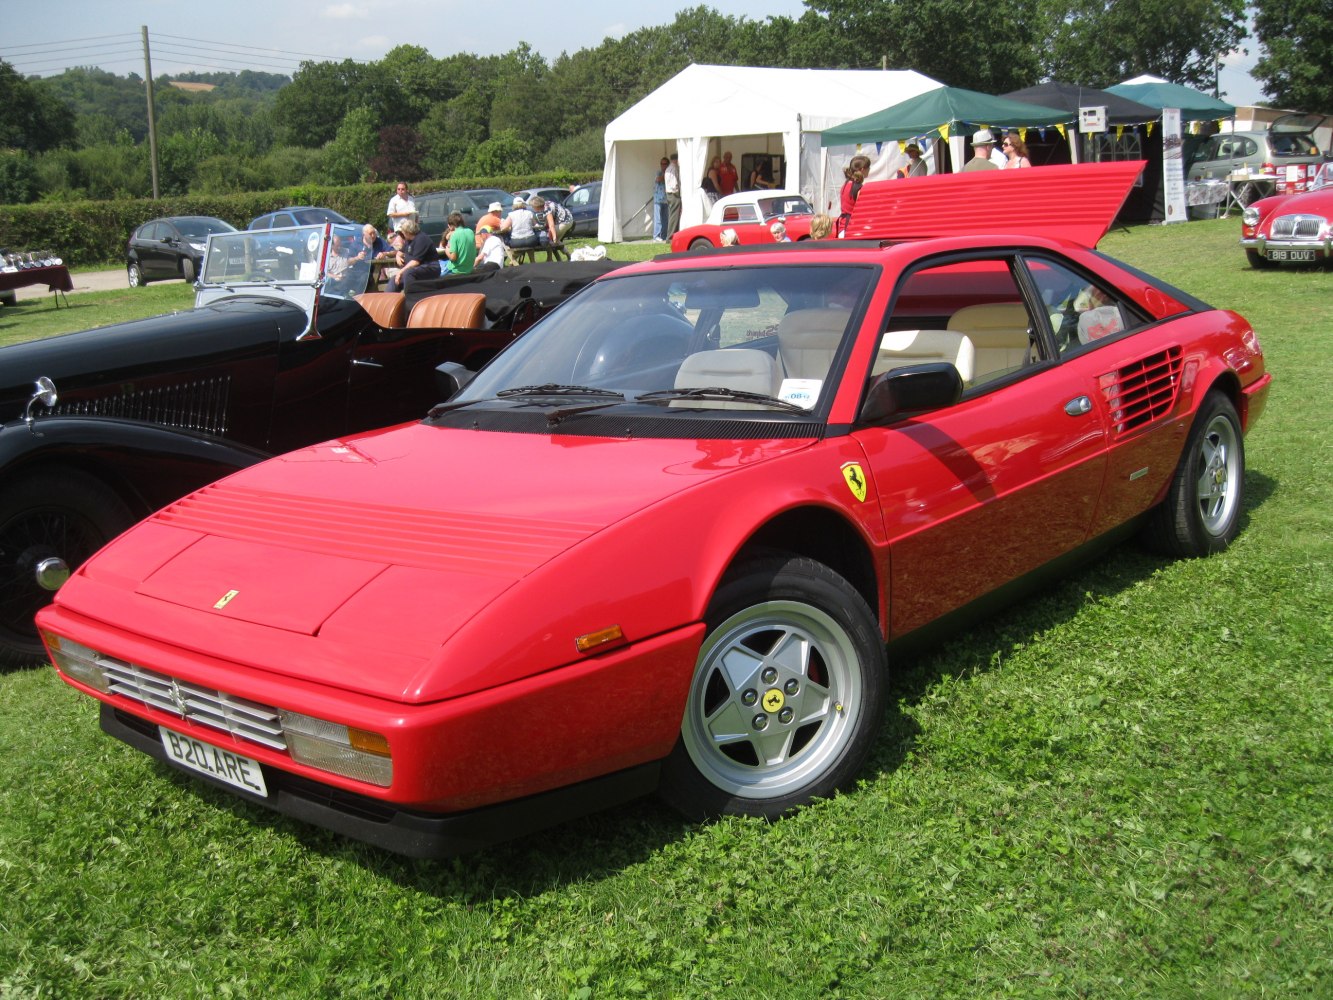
[
  {"x": 1298, "y": 251},
  {"x": 408, "y": 832}
]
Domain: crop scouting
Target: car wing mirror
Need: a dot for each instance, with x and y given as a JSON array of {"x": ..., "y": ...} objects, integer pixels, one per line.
[
  {"x": 911, "y": 389},
  {"x": 450, "y": 377}
]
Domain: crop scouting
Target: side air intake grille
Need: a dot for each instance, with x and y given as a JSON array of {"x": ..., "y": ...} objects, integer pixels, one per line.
[{"x": 1143, "y": 391}]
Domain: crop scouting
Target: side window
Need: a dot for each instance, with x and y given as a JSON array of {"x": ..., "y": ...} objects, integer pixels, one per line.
[
  {"x": 747, "y": 213},
  {"x": 1081, "y": 311},
  {"x": 152, "y": 231},
  {"x": 579, "y": 198},
  {"x": 1248, "y": 147},
  {"x": 731, "y": 214},
  {"x": 971, "y": 314}
]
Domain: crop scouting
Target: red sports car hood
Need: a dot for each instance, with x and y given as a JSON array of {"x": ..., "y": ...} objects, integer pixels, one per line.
[{"x": 389, "y": 541}]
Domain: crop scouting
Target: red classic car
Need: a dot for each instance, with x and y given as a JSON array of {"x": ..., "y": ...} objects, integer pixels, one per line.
[
  {"x": 661, "y": 541},
  {"x": 750, "y": 215},
  {"x": 1291, "y": 228}
]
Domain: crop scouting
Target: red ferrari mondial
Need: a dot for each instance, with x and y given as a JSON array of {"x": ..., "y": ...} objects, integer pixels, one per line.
[{"x": 660, "y": 542}]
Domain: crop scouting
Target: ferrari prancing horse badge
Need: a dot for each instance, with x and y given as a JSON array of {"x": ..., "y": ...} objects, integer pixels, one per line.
[{"x": 856, "y": 480}]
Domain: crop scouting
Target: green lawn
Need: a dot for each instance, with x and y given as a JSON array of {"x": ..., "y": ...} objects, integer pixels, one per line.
[{"x": 1122, "y": 787}]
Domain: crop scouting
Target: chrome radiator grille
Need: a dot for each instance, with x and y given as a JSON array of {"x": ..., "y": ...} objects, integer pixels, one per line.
[
  {"x": 241, "y": 718},
  {"x": 1288, "y": 227}
]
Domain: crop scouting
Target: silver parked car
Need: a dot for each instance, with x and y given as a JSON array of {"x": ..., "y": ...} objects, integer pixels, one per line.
[{"x": 1289, "y": 141}]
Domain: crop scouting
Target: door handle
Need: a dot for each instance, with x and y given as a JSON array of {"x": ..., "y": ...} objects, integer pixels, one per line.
[
  {"x": 1078, "y": 406},
  {"x": 367, "y": 362}
]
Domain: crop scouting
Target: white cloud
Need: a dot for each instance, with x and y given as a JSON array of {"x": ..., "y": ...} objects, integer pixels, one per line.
[{"x": 345, "y": 11}]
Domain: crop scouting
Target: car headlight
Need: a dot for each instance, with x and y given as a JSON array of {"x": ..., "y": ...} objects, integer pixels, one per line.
[
  {"x": 77, "y": 661},
  {"x": 1250, "y": 216},
  {"x": 341, "y": 749}
]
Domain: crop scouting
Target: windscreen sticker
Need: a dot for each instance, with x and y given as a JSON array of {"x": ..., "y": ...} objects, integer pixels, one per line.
[{"x": 801, "y": 391}]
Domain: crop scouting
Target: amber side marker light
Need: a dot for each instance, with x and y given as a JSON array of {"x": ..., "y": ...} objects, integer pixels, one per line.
[{"x": 595, "y": 642}]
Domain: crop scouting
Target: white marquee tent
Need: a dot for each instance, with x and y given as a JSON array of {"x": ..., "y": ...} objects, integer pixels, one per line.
[{"x": 705, "y": 110}]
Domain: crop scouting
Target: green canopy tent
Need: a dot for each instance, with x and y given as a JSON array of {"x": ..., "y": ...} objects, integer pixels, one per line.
[
  {"x": 941, "y": 111},
  {"x": 938, "y": 110},
  {"x": 1194, "y": 105}
]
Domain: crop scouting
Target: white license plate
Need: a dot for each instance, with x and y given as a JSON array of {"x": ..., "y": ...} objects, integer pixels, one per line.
[
  {"x": 1292, "y": 255},
  {"x": 237, "y": 771}
]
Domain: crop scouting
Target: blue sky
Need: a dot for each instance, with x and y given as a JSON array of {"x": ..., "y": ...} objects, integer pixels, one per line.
[{"x": 275, "y": 35}]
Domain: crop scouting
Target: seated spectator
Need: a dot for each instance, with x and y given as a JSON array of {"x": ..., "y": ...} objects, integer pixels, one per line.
[
  {"x": 335, "y": 261},
  {"x": 564, "y": 219},
  {"x": 418, "y": 261},
  {"x": 372, "y": 245},
  {"x": 460, "y": 246},
  {"x": 490, "y": 249},
  {"x": 519, "y": 228},
  {"x": 779, "y": 232},
  {"x": 543, "y": 214},
  {"x": 730, "y": 238},
  {"x": 820, "y": 227},
  {"x": 491, "y": 220}
]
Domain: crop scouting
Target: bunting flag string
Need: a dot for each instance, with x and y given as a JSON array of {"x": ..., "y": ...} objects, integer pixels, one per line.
[{"x": 1063, "y": 130}]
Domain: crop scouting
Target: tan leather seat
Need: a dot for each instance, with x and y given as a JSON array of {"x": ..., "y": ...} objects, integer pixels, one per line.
[
  {"x": 900, "y": 348},
  {"x": 742, "y": 368},
  {"x": 387, "y": 309},
  {"x": 808, "y": 339},
  {"x": 999, "y": 332},
  {"x": 456, "y": 310}
]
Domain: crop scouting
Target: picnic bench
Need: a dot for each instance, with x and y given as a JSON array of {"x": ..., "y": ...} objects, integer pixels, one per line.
[{"x": 553, "y": 251}]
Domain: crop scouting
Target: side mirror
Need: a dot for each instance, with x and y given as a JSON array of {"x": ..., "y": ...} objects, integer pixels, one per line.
[
  {"x": 46, "y": 395},
  {"x": 912, "y": 389},
  {"x": 450, "y": 377}
]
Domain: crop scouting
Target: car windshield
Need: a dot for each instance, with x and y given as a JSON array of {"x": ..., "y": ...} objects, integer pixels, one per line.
[
  {"x": 787, "y": 204},
  {"x": 751, "y": 341},
  {"x": 314, "y": 216},
  {"x": 483, "y": 197},
  {"x": 198, "y": 229}
]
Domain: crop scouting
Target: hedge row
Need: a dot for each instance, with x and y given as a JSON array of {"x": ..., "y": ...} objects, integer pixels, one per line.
[{"x": 95, "y": 232}]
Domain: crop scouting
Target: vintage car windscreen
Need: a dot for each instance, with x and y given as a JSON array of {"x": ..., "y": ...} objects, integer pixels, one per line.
[
  {"x": 295, "y": 264},
  {"x": 754, "y": 342}
]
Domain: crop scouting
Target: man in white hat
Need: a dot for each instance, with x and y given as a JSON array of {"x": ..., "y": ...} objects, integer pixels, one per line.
[{"x": 982, "y": 143}]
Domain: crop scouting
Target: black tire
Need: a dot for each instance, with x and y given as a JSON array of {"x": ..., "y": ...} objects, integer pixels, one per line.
[
  {"x": 59, "y": 513},
  {"x": 800, "y": 725},
  {"x": 700, "y": 243},
  {"x": 135, "y": 275},
  {"x": 1201, "y": 513},
  {"x": 1259, "y": 263},
  {"x": 187, "y": 268}
]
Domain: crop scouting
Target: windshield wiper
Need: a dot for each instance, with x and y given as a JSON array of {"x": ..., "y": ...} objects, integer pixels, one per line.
[
  {"x": 555, "y": 389},
  {"x": 549, "y": 389},
  {"x": 720, "y": 393}
]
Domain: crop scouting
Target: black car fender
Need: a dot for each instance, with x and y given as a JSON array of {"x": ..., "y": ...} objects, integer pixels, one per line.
[{"x": 147, "y": 465}]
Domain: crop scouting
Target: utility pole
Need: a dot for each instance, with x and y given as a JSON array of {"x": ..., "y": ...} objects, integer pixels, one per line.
[{"x": 152, "y": 122}]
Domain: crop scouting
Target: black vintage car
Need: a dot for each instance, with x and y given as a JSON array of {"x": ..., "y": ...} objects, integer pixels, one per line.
[{"x": 281, "y": 351}]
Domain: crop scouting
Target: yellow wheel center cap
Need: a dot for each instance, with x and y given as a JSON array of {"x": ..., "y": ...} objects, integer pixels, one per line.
[{"x": 773, "y": 700}]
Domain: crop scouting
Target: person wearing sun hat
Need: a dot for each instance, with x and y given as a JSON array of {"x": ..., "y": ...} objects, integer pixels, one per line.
[
  {"x": 494, "y": 212},
  {"x": 982, "y": 143}
]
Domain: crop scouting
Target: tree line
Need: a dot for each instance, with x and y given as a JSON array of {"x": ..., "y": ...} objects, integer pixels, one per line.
[{"x": 416, "y": 116}]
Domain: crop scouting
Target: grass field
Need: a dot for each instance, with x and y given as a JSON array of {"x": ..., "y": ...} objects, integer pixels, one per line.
[{"x": 1121, "y": 787}]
